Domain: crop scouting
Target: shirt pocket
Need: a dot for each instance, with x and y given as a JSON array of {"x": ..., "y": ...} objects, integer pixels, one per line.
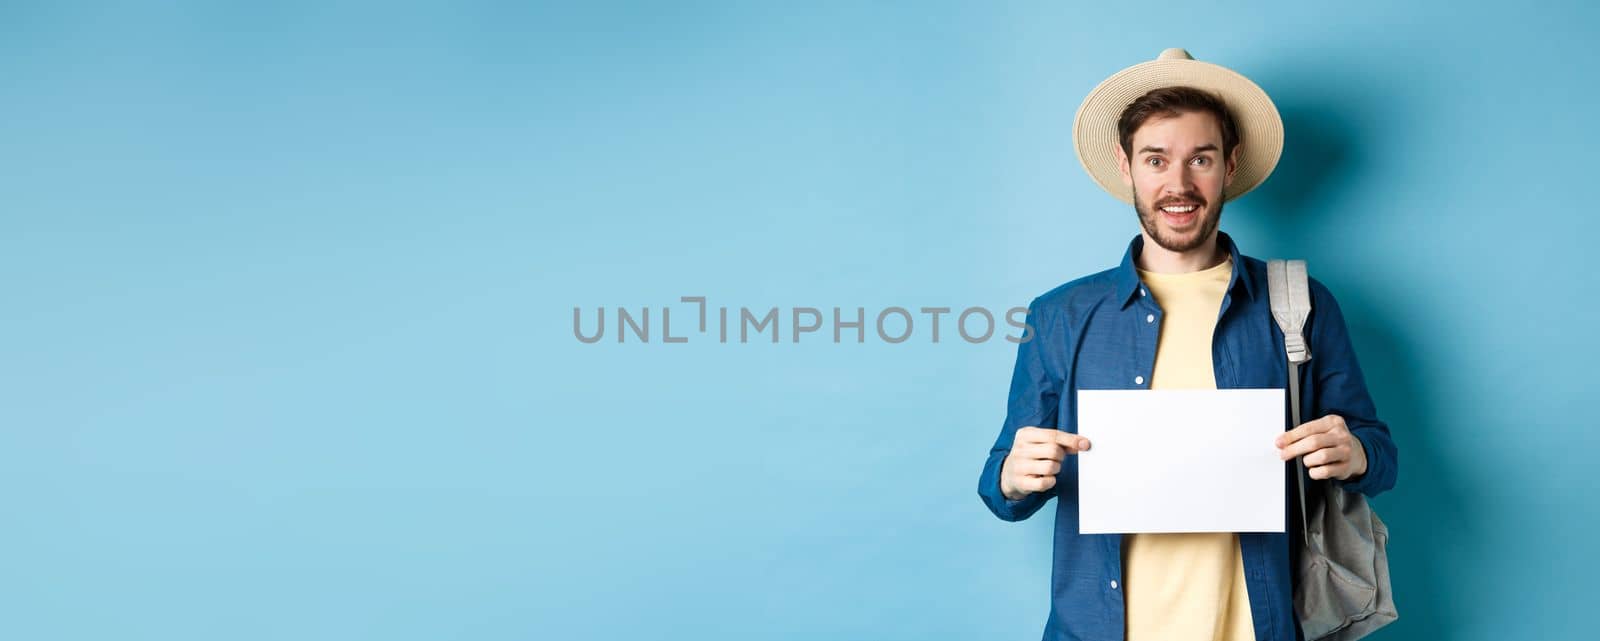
[{"x": 1106, "y": 358}]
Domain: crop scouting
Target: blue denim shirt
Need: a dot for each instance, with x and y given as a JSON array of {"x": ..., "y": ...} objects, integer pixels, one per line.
[{"x": 1092, "y": 333}]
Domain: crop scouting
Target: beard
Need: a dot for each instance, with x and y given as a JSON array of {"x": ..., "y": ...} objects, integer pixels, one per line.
[{"x": 1178, "y": 241}]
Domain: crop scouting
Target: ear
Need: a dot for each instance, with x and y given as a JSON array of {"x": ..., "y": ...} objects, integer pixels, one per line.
[
  {"x": 1233, "y": 165},
  {"x": 1122, "y": 166}
]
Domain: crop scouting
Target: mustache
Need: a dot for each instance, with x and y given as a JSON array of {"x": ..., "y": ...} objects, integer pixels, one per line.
[{"x": 1190, "y": 198}]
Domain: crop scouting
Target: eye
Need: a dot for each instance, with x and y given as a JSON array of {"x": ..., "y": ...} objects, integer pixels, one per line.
[
  {"x": 1153, "y": 161},
  {"x": 1201, "y": 160}
]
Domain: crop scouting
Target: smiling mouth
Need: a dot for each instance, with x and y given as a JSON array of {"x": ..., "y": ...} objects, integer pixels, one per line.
[{"x": 1180, "y": 215}]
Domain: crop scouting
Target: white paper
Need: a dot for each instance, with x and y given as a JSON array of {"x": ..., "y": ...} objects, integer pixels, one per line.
[{"x": 1180, "y": 461}]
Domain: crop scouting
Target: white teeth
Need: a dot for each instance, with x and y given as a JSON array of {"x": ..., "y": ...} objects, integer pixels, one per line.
[{"x": 1178, "y": 210}]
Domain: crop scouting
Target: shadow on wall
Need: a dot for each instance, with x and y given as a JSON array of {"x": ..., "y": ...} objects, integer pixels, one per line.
[{"x": 1431, "y": 522}]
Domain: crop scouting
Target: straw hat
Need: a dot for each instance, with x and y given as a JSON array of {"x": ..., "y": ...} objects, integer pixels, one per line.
[{"x": 1260, "y": 129}]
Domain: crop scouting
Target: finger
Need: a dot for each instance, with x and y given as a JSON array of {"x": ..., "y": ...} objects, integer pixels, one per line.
[
  {"x": 1306, "y": 429},
  {"x": 1037, "y": 483},
  {"x": 1041, "y": 468},
  {"x": 1032, "y": 434},
  {"x": 1058, "y": 452},
  {"x": 1051, "y": 451},
  {"x": 1327, "y": 471},
  {"x": 1049, "y": 435},
  {"x": 1317, "y": 426},
  {"x": 1037, "y": 435},
  {"x": 1072, "y": 442},
  {"x": 1304, "y": 446},
  {"x": 1327, "y": 456},
  {"x": 1040, "y": 451}
]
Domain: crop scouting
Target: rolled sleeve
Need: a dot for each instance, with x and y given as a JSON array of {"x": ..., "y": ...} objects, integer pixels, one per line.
[
  {"x": 1033, "y": 401},
  {"x": 1339, "y": 388}
]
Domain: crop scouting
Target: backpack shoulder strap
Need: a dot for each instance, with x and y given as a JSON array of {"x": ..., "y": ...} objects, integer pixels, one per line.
[{"x": 1290, "y": 294}]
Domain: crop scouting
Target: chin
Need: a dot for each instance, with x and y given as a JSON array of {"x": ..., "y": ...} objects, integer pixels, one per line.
[{"x": 1189, "y": 237}]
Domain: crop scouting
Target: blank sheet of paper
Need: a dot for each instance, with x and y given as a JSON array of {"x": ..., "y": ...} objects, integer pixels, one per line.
[{"x": 1180, "y": 461}]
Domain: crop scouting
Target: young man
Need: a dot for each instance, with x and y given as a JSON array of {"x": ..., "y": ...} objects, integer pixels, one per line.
[{"x": 1177, "y": 138}]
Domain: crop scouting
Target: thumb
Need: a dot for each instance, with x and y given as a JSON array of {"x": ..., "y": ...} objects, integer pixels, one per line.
[{"x": 1072, "y": 441}]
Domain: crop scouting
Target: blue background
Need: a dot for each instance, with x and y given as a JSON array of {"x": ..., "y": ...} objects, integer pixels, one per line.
[{"x": 288, "y": 306}]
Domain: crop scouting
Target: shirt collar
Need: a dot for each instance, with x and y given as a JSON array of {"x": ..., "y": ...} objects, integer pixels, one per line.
[{"x": 1128, "y": 282}]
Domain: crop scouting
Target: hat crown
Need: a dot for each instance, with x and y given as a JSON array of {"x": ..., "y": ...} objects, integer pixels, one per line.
[{"x": 1175, "y": 53}]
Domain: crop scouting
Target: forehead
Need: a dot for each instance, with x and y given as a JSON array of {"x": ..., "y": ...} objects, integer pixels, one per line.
[{"x": 1176, "y": 133}]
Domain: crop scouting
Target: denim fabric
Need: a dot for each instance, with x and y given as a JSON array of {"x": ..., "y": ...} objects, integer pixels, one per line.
[{"x": 1093, "y": 333}]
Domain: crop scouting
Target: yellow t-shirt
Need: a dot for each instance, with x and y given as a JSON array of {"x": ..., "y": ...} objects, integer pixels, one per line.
[{"x": 1186, "y": 587}]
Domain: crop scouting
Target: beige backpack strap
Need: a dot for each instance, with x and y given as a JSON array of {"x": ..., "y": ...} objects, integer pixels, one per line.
[{"x": 1289, "y": 290}]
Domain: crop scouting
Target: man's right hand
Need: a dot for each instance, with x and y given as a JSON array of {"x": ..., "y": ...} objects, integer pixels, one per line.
[{"x": 1035, "y": 458}]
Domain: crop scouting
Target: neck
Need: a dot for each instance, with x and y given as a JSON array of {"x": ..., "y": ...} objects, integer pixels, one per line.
[{"x": 1155, "y": 258}]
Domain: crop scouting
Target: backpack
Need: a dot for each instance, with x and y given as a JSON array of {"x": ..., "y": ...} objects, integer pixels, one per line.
[{"x": 1343, "y": 591}]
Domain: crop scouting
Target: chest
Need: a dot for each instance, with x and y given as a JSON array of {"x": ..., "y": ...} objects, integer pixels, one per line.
[{"x": 1116, "y": 348}]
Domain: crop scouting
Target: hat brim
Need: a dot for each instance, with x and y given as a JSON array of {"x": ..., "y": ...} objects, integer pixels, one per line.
[{"x": 1094, "y": 128}]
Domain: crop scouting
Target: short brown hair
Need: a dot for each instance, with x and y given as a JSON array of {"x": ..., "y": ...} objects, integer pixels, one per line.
[{"x": 1168, "y": 102}]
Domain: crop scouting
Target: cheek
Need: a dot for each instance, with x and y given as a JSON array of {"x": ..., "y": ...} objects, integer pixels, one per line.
[
  {"x": 1146, "y": 184},
  {"x": 1210, "y": 183}
]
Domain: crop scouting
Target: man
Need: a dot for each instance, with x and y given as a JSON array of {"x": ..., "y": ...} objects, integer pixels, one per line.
[{"x": 1177, "y": 138}]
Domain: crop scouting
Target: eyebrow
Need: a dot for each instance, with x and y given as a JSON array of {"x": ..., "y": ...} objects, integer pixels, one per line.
[{"x": 1162, "y": 150}]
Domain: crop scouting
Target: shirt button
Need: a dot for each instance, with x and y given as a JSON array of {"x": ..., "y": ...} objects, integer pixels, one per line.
[
  {"x": 1113, "y": 585},
  {"x": 1141, "y": 291},
  {"x": 1149, "y": 318},
  {"x": 1138, "y": 380}
]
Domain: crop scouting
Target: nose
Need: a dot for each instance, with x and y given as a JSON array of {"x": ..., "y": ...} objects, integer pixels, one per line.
[{"x": 1180, "y": 182}]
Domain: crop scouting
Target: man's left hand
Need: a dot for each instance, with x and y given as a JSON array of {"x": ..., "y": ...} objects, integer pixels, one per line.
[{"x": 1331, "y": 451}]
